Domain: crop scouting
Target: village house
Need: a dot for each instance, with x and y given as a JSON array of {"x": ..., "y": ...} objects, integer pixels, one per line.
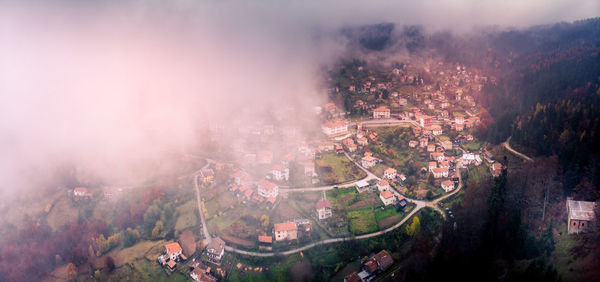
[
  {"x": 423, "y": 142},
  {"x": 81, "y": 192},
  {"x": 381, "y": 112},
  {"x": 326, "y": 146},
  {"x": 389, "y": 173},
  {"x": 459, "y": 127},
  {"x": 402, "y": 101},
  {"x": 496, "y": 169},
  {"x": 384, "y": 260},
  {"x": 368, "y": 161},
  {"x": 469, "y": 158},
  {"x": 387, "y": 197},
  {"x": 436, "y": 130},
  {"x": 285, "y": 231},
  {"x": 309, "y": 169},
  {"x": 267, "y": 189},
  {"x": 207, "y": 175},
  {"x": 362, "y": 185},
  {"x": 437, "y": 156},
  {"x": 431, "y": 166},
  {"x": 215, "y": 250},
  {"x": 335, "y": 128},
  {"x": 363, "y": 141},
  {"x": 581, "y": 216},
  {"x": 448, "y": 185},
  {"x": 173, "y": 251},
  {"x": 265, "y": 242},
  {"x": 353, "y": 277},
  {"x": 383, "y": 185},
  {"x": 440, "y": 172},
  {"x": 201, "y": 275},
  {"x": 431, "y": 148},
  {"x": 324, "y": 210},
  {"x": 280, "y": 173},
  {"x": 413, "y": 143}
]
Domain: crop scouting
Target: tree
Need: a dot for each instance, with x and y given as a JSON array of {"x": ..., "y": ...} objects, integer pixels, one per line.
[
  {"x": 130, "y": 237},
  {"x": 429, "y": 195},
  {"x": 264, "y": 220},
  {"x": 546, "y": 241},
  {"x": 414, "y": 228},
  {"x": 157, "y": 230},
  {"x": 109, "y": 264}
]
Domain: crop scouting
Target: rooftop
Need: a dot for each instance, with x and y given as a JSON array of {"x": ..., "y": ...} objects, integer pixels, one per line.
[{"x": 581, "y": 210}]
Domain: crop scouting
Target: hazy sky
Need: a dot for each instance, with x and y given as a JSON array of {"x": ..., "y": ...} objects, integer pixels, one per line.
[{"x": 110, "y": 83}]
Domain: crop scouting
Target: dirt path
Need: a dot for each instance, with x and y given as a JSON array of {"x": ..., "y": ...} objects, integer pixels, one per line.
[{"x": 506, "y": 145}]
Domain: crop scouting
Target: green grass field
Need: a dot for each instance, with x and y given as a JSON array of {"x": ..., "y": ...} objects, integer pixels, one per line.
[
  {"x": 186, "y": 216},
  {"x": 362, "y": 221},
  {"x": 472, "y": 146}
]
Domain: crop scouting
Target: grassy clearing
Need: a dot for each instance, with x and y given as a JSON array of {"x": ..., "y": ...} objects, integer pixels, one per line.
[
  {"x": 187, "y": 216},
  {"x": 334, "y": 168},
  {"x": 477, "y": 174},
  {"x": 472, "y": 146},
  {"x": 362, "y": 221}
]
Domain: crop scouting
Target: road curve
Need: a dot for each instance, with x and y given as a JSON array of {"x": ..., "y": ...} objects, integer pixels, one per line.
[
  {"x": 506, "y": 145},
  {"x": 419, "y": 205},
  {"x": 199, "y": 200}
]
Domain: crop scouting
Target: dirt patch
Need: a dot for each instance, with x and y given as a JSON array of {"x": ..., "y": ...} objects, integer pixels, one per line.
[
  {"x": 237, "y": 241},
  {"x": 188, "y": 242},
  {"x": 364, "y": 203},
  {"x": 225, "y": 201},
  {"x": 285, "y": 211},
  {"x": 301, "y": 271},
  {"x": 343, "y": 201},
  {"x": 387, "y": 222}
]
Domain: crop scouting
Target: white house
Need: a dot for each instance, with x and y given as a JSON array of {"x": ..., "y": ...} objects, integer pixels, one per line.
[
  {"x": 324, "y": 210},
  {"x": 173, "y": 250},
  {"x": 215, "y": 249},
  {"x": 280, "y": 173},
  {"x": 448, "y": 185},
  {"x": 267, "y": 189},
  {"x": 389, "y": 173},
  {"x": 334, "y": 128},
  {"x": 440, "y": 172},
  {"x": 285, "y": 231},
  {"x": 381, "y": 112},
  {"x": 387, "y": 197},
  {"x": 368, "y": 161},
  {"x": 383, "y": 185}
]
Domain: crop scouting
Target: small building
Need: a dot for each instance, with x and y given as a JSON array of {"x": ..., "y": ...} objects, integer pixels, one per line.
[
  {"x": 324, "y": 210},
  {"x": 383, "y": 185},
  {"x": 447, "y": 145},
  {"x": 381, "y": 112},
  {"x": 384, "y": 260},
  {"x": 207, "y": 175},
  {"x": 353, "y": 277},
  {"x": 200, "y": 275},
  {"x": 267, "y": 189},
  {"x": 362, "y": 186},
  {"x": 215, "y": 249},
  {"x": 335, "y": 128},
  {"x": 173, "y": 250},
  {"x": 581, "y": 216},
  {"x": 368, "y": 161},
  {"x": 430, "y": 148},
  {"x": 413, "y": 143},
  {"x": 81, "y": 192},
  {"x": 280, "y": 173},
  {"x": 440, "y": 172},
  {"x": 496, "y": 169},
  {"x": 285, "y": 231},
  {"x": 387, "y": 197},
  {"x": 389, "y": 173},
  {"x": 448, "y": 185}
]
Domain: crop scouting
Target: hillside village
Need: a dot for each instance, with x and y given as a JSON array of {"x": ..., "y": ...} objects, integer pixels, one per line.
[{"x": 397, "y": 144}]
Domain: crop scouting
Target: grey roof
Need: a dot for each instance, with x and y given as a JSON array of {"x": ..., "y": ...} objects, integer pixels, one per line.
[
  {"x": 581, "y": 210},
  {"x": 362, "y": 183},
  {"x": 216, "y": 244}
]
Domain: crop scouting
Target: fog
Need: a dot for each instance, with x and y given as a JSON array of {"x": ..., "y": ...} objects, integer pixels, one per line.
[{"x": 109, "y": 86}]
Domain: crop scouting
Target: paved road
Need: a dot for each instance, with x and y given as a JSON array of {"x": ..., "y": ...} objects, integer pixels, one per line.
[
  {"x": 199, "y": 200},
  {"x": 387, "y": 122},
  {"x": 419, "y": 205},
  {"x": 506, "y": 145}
]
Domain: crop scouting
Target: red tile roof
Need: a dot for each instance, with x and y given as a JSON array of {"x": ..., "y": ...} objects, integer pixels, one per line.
[
  {"x": 265, "y": 239},
  {"x": 285, "y": 226},
  {"x": 323, "y": 204},
  {"x": 173, "y": 248}
]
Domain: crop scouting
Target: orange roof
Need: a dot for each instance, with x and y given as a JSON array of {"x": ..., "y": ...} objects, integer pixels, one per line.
[
  {"x": 368, "y": 159},
  {"x": 171, "y": 264},
  {"x": 432, "y": 164},
  {"x": 382, "y": 109},
  {"x": 390, "y": 170},
  {"x": 173, "y": 248},
  {"x": 266, "y": 184},
  {"x": 383, "y": 183},
  {"x": 265, "y": 239},
  {"x": 285, "y": 226},
  {"x": 440, "y": 169},
  {"x": 387, "y": 194},
  {"x": 80, "y": 190},
  {"x": 323, "y": 204},
  {"x": 447, "y": 183}
]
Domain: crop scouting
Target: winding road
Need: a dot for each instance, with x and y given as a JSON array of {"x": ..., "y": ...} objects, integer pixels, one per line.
[
  {"x": 419, "y": 204},
  {"x": 506, "y": 145}
]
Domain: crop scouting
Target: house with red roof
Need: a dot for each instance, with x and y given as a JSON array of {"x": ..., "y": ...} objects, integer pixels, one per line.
[
  {"x": 387, "y": 197},
  {"x": 267, "y": 189},
  {"x": 285, "y": 231},
  {"x": 324, "y": 210},
  {"x": 381, "y": 112}
]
